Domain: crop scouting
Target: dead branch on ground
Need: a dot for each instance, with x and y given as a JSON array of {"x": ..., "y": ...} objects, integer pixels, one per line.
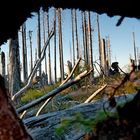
[
  {"x": 55, "y": 91},
  {"x": 95, "y": 93},
  {"x": 69, "y": 76}
]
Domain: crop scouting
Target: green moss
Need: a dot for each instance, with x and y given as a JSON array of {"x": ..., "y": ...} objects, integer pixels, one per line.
[{"x": 78, "y": 121}]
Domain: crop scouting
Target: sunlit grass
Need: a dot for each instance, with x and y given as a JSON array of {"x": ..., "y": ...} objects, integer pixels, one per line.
[
  {"x": 34, "y": 93},
  {"x": 30, "y": 95}
]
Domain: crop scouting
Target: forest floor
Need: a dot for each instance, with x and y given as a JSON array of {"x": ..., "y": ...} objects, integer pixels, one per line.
[{"x": 126, "y": 126}]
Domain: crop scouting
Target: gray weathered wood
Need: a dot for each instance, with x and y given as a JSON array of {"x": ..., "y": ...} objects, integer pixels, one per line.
[
  {"x": 43, "y": 126},
  {"x": 54, "y": 92}
]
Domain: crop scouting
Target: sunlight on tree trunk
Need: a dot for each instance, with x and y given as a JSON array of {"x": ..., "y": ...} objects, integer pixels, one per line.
[
  {"x": 14, "y": 66},
  {"x": 60, "y": 45}
]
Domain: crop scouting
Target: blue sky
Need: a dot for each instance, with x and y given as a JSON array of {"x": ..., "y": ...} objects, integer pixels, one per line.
[{"x": 121, "y": 38}]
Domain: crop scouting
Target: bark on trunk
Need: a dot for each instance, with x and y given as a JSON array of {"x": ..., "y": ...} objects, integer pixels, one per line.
[
  {"x": 76, "y": 33},
  {"x": 39, "y": 41},
  {"x": 24, "y": 53},
  {"x": 72, "y": 27},
  {"x": 31, "y": 55},
  {"x": 14, "y": 66},
  {"x": 49, "y": 54},
  {"x": 11, "y": 127},
  {"x": 60, "y": 45},
  {"x": 55, "y": 71}
]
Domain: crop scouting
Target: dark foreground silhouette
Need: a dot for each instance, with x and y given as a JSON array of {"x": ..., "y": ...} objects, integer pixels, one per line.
[{"x": 11, "y": 126}]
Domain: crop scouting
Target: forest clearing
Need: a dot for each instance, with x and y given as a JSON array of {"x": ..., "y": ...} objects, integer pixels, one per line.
[{"x": 43, "y": 98}]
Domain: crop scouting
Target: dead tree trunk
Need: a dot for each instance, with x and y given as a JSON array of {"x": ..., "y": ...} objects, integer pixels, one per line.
[
  {"x": 2, "y": 63},
  {"x": 135, "y": 53},
  {"x": 103, "y": 56},
  {"x": 82, "y": 15},
  {"x": 49, "y": 55},
  {"x": 85, "y": 39},
  {"x": 14, "y": 66},
  {"x": 11, "y": 127},
  {"x": 90, "y": 41},
  {"x": 76, "y": 33},
  {"x": 31, "y": 55},
  {"x": 60, "y": 45},
  {"x": 44, "y": 38},
  {"x": 99, "y": 38},
  {"x": 39, "y": 41},
  {"x": 44, "y": 126},
  {"x": 90, "y": 46},
  {"x": 73, "y": 47},
  {"x": 24, "y": 53},
  {"x": 108, "y": 52},
  {"x": 55, "y": 72}
]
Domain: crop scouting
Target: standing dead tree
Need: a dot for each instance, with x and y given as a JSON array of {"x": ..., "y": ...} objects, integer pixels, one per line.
[
  {"x": 14, "y": 66},
  {"x": 38, "y": 62}
]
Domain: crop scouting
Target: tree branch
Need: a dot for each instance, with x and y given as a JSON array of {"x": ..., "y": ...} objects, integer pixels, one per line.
[
  {"x": 95, "y": 93},
  {"x": 38, "y": 62},
  {"x": 69, "y": 76},
  {"x": 54, "y": 92}
]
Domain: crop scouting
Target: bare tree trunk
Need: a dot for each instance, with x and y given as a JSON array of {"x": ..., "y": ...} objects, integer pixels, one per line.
[
  {"x": 135, "y": 51},
  {"x": 90, "y": 47},
  {"x": 70, "y": 48},
  {"x": 103, "y": 56},
  {"x": 49, "y": 56},
  {"x": 60, "y": 45},
  {"x": 24, "y": 53},
  {"x": 14, "y": 66},
  {"x": 73, "y": 46},
  {"x": 44, "y": 38},
  {"x": 2, "y": 63},
  {"x": 35, "y": 59},
  {"x": 85, "y": 39},
  {"x": 76, "y": 32},
  {"x": 55, "y": 71},
  {"x": 31, "y": 55},
  {"x": 39, "y": 41},
  {"x": 90, "y": 41},
  {"x": 37, "y": 64},
  {"x": 82, "y": 15},
  {"x": 108, "y": 52},
  {"x": 99, "y": 38},
  {"x": 11, "y": 126}
]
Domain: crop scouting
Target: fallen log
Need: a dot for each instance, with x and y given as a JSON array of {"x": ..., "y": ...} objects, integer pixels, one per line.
[
  {"x": 65, "y": 81},
  {"x": 55, "y": 91},
  {"x": 44, "y": 126}
]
